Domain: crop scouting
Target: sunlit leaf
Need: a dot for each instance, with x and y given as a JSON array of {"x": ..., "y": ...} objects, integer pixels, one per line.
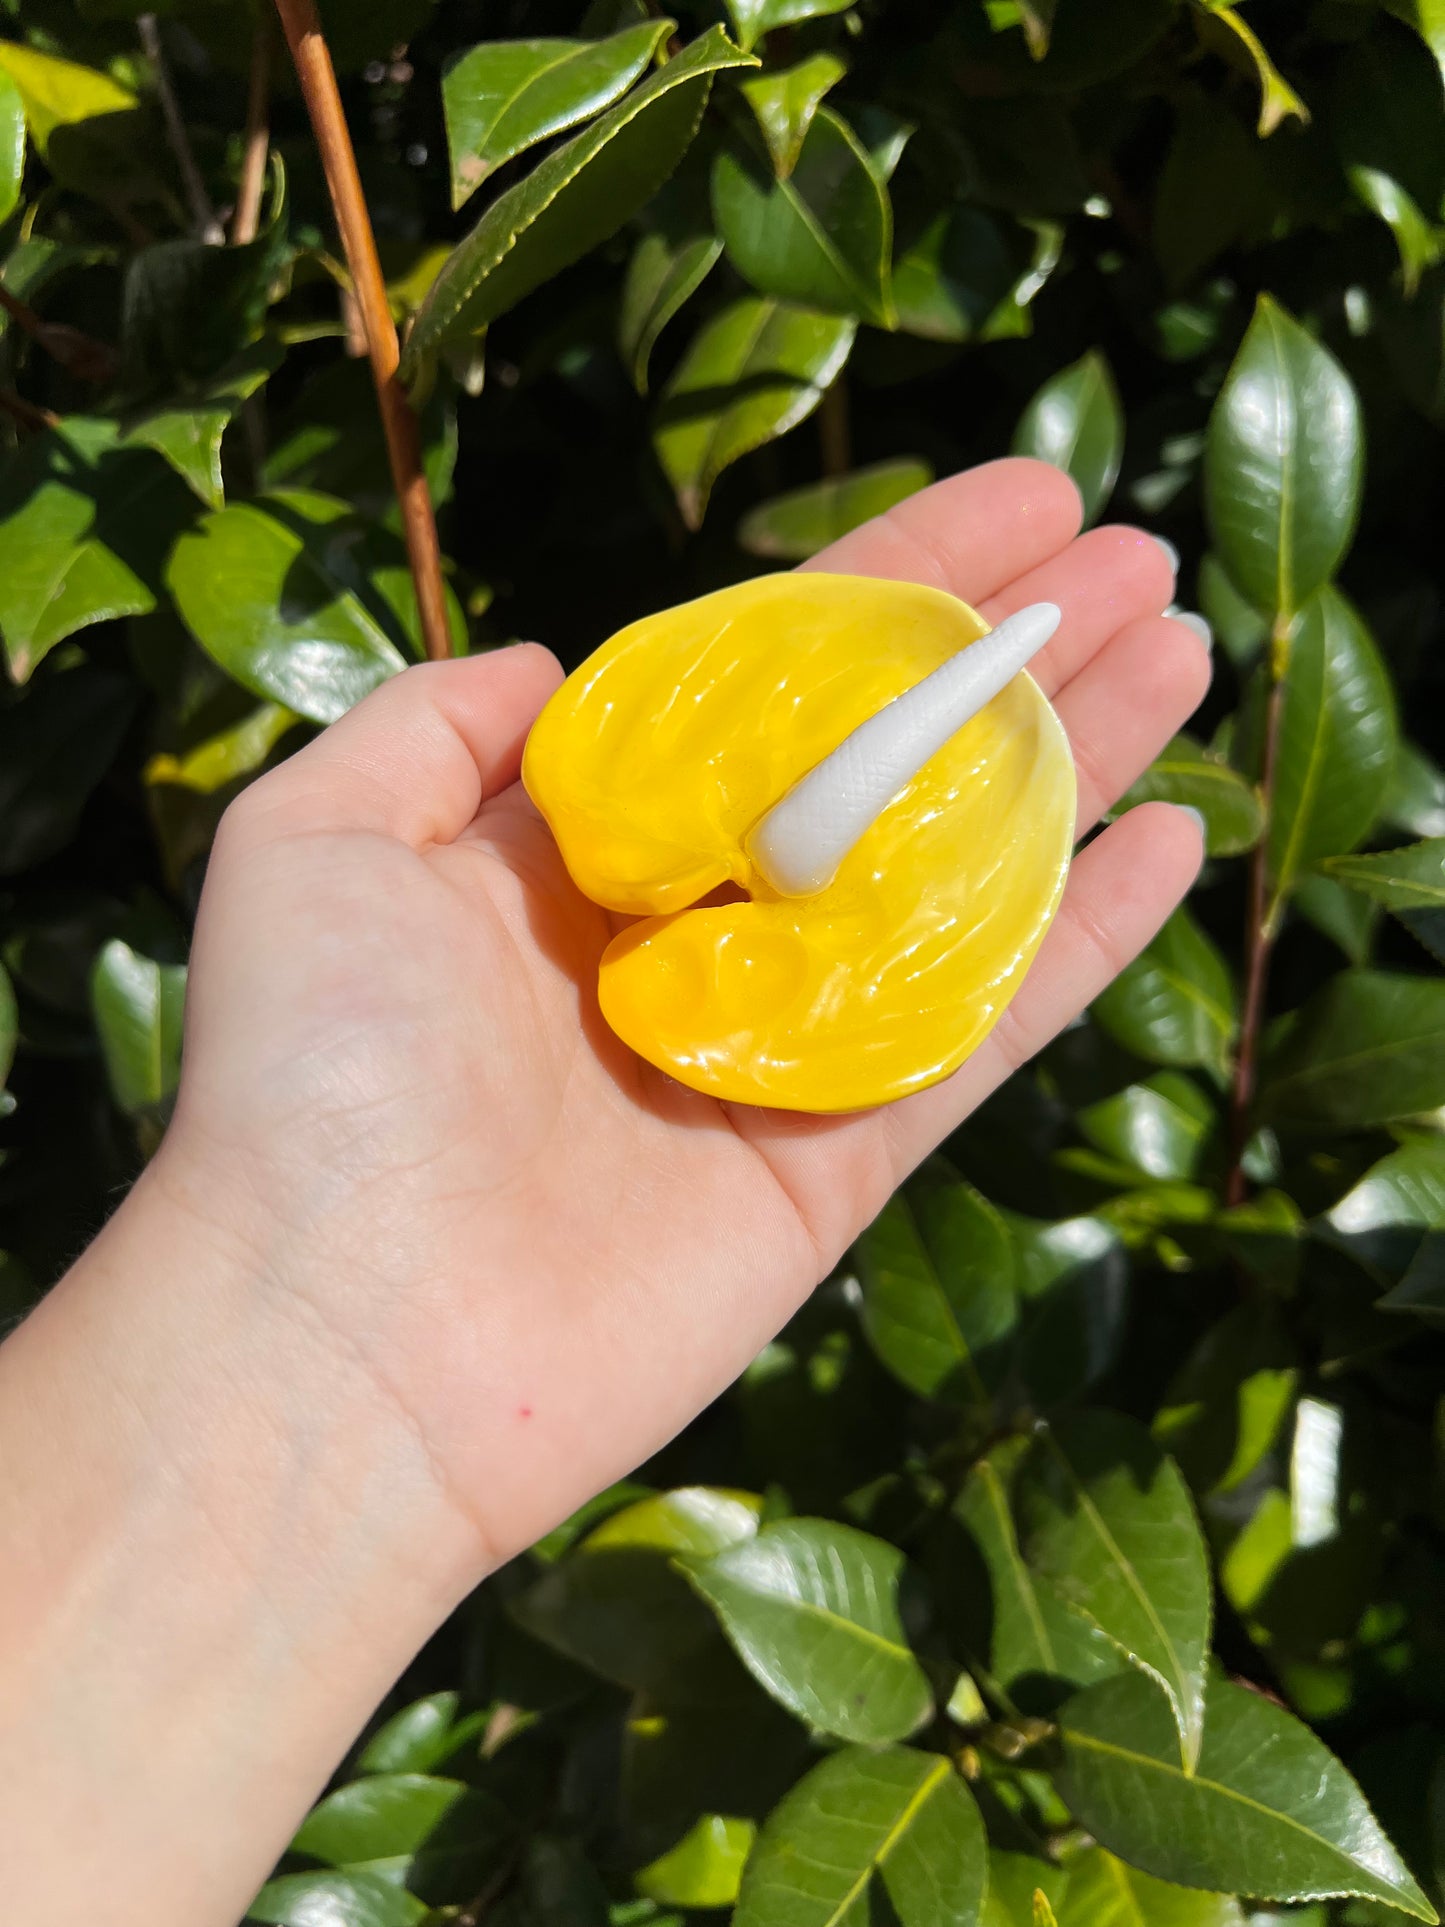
[
  {"x": 753, "y": 18},
  {"x": 12, "y": 145},
  {"x": 139, "y": 1005},
  {"x": 784, "y": 101},
  {"x": 1227, "y": 30},
  {"x": 1175, "y": 1004}
]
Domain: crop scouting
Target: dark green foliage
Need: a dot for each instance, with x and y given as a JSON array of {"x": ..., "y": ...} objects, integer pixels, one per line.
[{"x": 1078, "y": 1554}]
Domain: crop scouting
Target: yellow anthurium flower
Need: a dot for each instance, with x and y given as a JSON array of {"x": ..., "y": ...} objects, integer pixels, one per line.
[{"x": 656, "y": 762}]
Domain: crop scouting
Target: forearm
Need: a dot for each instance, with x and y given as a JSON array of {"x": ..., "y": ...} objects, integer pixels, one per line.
[{"x": 219, "y": 1547}]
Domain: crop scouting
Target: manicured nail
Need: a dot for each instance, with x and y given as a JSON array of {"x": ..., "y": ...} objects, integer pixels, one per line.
[
  {"x": 1188, "y": 809},
  {"x": 1197, "y": 623},
  {"x": 1170, "y": 551}
]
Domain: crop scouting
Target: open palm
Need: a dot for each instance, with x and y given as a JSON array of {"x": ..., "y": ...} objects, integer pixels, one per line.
[{"x": 546, "y": 1254}]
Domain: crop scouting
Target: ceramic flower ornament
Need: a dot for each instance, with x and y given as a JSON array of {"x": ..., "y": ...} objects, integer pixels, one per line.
[{"x": 892, "y": 798}]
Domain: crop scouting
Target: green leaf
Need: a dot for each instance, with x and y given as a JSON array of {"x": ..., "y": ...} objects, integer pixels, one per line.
[
  {"x": 139, "y": 1007},
  {"x": 1342, "y": 915},
  {"x": 668, "y": 266},
  {"x": 1415, "y": 799},
  {"x": 506, "y": 95},
  {"x": 1107, "y": 1521},
  {"x": 704, "y": 1869},
  {"x": 9, "y": 1025},
  {"x": 1336, "y": 743},
  {"x": 1282, "y": 464},
  {"x": 902, "y": 1815},
  {"x": 1106, "y": 1892},
  {"x": 1159, "y": 1127},
  {"x": 270, "y": 590},
  {"x": 753, "y": 372},
  {"x": 1226, "y": 1406},
  {"x": 1427, "y": 17},
  {"x": 1186, "y": 772},
  {"x": 1073, "y": 1283},
  {"x": 1208, "y": 187},
  {"x": 813, "y": 1612},
  {"x": 228, "y": 756},
  {"x": 1030, "y": 1646},
  {"x": 1175, "y": 1003},
  {"x": 1385, "y": 1219},
  {"x": 83, "y": 524},
  {"x": 576, "y": 197},
  {"x": 939, "y": 1305},
  {"x": 376, "y": 1818},
  {"x": 189, "y": 435},
  {"x": 1075, "y": 421},
  {"x": 1236, "y": 623},
  {"x": 823, "y": 236},
  {"x": 422, "y": 1736},
  {"x": 1410, "y": 882},
  {"x": 1366, "y": 1049},
  {"x": 55, "y": 747},
  {"x": 967, "y": 275},
  {"x": 753, "y": 18},
  {"x": 59, "y": 93},
  {"x": 1269, "y": 1811},
  {"x": 12, "y": 145},
  {"x": 337, "y": 1900},
  {"x": 784, "y": 101},
  {"x": 698, "y": 1520},
  {"x": 1419, "y": 241},
  {"x": 1233, "y": 37},
  {"x": 791, "y": 527}
]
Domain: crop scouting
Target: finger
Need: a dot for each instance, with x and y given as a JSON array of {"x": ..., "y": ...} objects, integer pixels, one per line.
[
  {"x": 1126, "y": 704},
  {"x": 420, "y": 755},
  {"x": 971, "y": 534},
  {"x": 1105, "y": 579}
]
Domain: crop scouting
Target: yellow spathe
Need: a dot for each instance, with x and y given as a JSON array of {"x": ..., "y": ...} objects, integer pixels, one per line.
[{"x": 655, "y": 759}]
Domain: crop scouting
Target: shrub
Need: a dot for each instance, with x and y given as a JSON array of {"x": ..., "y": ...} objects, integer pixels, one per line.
[{"x": 1083, "y": 1537}]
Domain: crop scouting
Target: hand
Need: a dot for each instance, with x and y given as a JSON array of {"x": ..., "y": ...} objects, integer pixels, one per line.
[{"x": 544, "y": 1255}]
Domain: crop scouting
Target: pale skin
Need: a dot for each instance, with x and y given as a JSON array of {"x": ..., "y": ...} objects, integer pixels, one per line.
[{"x": 427, "y": 1257}]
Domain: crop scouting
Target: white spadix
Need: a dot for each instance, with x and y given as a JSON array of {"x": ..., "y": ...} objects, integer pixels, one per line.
[{"x": 800, "y": 843}]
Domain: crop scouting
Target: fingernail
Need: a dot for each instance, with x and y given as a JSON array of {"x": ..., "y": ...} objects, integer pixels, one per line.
[
  {"x": 1197, "y": 623},
  {"x": 1170, "y": 551},
  {"x": 1188, "y": 809}
]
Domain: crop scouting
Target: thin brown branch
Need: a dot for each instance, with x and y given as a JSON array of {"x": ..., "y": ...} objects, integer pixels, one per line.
[
  {"x": 1259, "y": 941},
  {"x": 203, "y": 215},
  {"x": 26, "y": 414},
  {"x": 399, "y": 424},
  {"x": 247, "y": 218},
  {"x": 79, "y": 354}
]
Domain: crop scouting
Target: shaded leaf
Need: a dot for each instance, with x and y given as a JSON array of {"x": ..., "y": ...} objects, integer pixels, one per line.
[
  {"x": 1075, "y": 421},
  {"x": 784, "y": 101},
  {"x": 1367, "y": 1048},
  {"x": 966, "y": 275},
  {"x": 902, "y": 1815},
  {"x": 1208, "y": 185},
  {"x": 1282, "y": 464},
  {"x": 939, "y": 1306},
  {"x": 1344, "y": 916},
  {"x": 668, "y": 266},
  {"x": 573, "y": 199},
  {"x": 813, "y": 1611},
  {"x": 421, "y": 1736},
  {"x": 754, "y": 371},
  {"x": 1189, "y": 774},
  {"x": 1073, "y": 1284},
  {"x": 822, "y": 237},
  {"x": 1269, "y": 1811},
  {"x": 375, "y": 1818},
  {"x": 9, "y": 1025},
  {"x": 506, "y": 95},
  {"x": 1410, "y": 882},
  {"x": 1415, "y": 798},
  {"x": 791, "y": 527},
  {"x": 189, "y": 435},
  {"x": 1105, "y": 1518},
  {"x": 753, "y": 18},
  {"x": 1106, "y": 1892},
  {"x": 1175, "y": 1003},
  {"x": 1225, "y": 1408},
  {"x": 55, "y": 747}
]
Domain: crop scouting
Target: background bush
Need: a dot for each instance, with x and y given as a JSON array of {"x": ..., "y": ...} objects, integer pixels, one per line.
[{"x": 932, "y": 1593}]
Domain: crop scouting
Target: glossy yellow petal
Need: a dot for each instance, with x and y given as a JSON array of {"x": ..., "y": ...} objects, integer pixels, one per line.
[{"x": 656, "y": 758}]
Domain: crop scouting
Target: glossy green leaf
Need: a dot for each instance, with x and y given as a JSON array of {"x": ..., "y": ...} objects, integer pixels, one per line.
[
  {"x": 968, "y": 275},
  {"x": 1073, "y": 1281},
  {"x": 1367, "y": 1048},
  {"x": 1384, "y": 1220},
  {"x": 270, "y": 590},
  {"x": 1336, "y": 743},
  {"x": 753, "y": 18},
  {"x": 1014, "y": 1881},
  {"x": 1225, "y": 1408},
  {"x": 1282, "y": 467},
  {"x": 1228, "y": 31},
  {"x": 376, "y": 1818},
  {"x": 1236, "y": 623},
  {"x": 903, "y": 1816},
  {"x": 784, "y": 101},
  {"x": 1187, "y": 773},
  {"x": 1345, "y": 917},
  {"x": 12, "y": 145},
  {"x": 822, "y": 237},
  {"x": 576, "y": 197},
  {"x": 1419, "y": 241},
  {"x": 422, "y": 1736},
  {"x": 1031, "y": 1647},
  {"x": 754, "y": 371},
  {"x": 59, "y": 93},
  {"x": 668, "y": 266},
  {"x": 1175, "y": 1003},
  {"x": 356, "y": 1899},
  {"x": 1410, "y": 882},
  {"x": 228, "y": 756},
  {"x": 1415, "y": 797},
  {"x": 1159, "y": 1127},
  {"x": 189, "y": 434},
  {"x": 506, "y": 95},
  {"x": 139, "y": 1006},
  {"x": 939, "y": 1304},
  {"x": 791, "y": 527},
  {"x": 56, "y": 745},
  {"x": 704, "y": 1869},
  {"x": 1075, "y": 421},
  {"x": 82, "y": 526},
  {"x": 1107, "y": 1521},
  {"x": 696, "y": 1519},
  {"x": 813, "y": 1611},
  {"x": 1269, "y": 1811},
  {"x": 1107, "y": 1892}
]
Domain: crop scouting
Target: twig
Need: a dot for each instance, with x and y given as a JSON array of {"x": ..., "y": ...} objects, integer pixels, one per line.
[
  {"x": 399, "y": 424},
  {"x": 1260, "y": 936},
  {"x": 79, "y": 354},
  {"x": 25, "y": 413},
  {"x": 247, "y": 217},
  {"x": 202, "y": 213}
]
